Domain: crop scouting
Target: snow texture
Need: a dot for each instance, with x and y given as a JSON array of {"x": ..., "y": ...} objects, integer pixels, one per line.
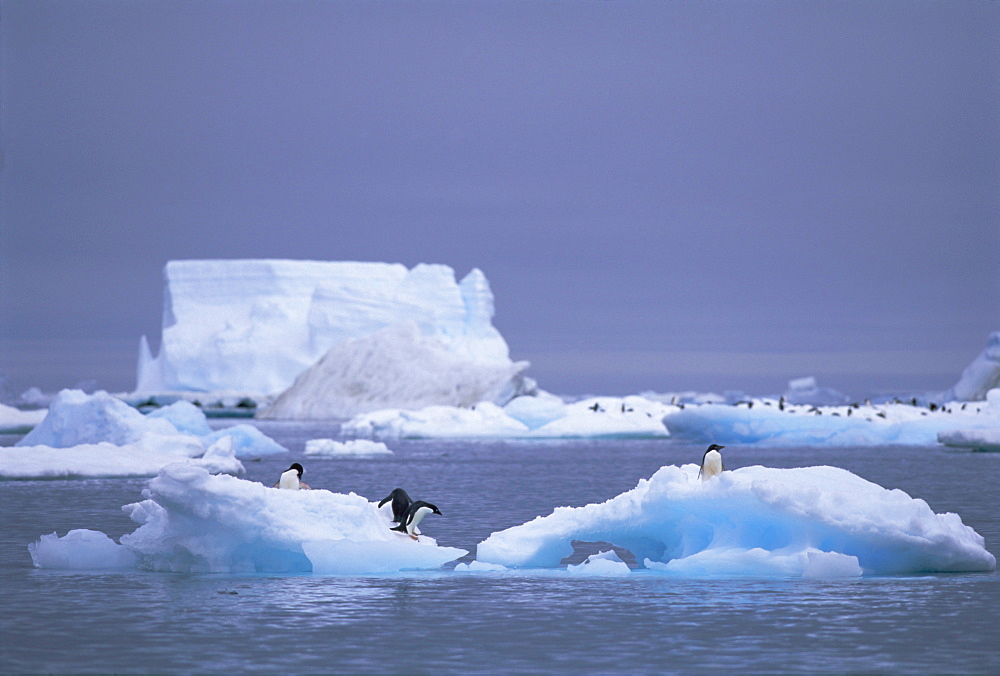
[
  {"x": 16, "y": 421},
  {"x": 396, "y": 367},
  {"x": 191, "y": 521},
  {"x": 255, "y": 325},
  {"x": 979, "y": 377},
  {"x": 755, "y": 521}
]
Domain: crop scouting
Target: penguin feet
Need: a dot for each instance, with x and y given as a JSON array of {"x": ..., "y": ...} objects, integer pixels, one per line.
[{"x": 415, "y": 537}]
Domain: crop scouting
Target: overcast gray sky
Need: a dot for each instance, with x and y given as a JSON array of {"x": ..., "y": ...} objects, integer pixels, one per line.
[{"x": 664, "y": 195}]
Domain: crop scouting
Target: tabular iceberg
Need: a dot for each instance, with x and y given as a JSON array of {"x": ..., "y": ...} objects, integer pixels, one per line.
[
  {"x": 192, "y": 521},
  {"x": 758, "y": 521},
  {"x": 256, "y": 325}
]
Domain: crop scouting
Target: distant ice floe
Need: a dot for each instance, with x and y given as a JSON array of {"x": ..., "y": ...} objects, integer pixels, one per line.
[
  {"x": 753, "y": 521},
  {"x": 541, "y": 417},
  {"x": 331, "y": 448},
  {"x": 191, "y": 521},
  {"x": 97, "y": 435},
  {"x": 16, "y": 421}
]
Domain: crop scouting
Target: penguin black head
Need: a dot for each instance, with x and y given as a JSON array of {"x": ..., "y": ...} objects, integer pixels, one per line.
[
  {"x": 297, "y": 467},
  {"x": 714, "y": 447}
]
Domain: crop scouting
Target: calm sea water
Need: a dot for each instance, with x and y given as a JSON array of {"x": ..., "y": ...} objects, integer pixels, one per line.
[{"x": 526, "y": 621}]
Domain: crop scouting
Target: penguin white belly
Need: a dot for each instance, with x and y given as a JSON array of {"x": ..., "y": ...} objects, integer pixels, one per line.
[
  {"x": 711, "y": 466},
  {"x": 411, "y": 527},
  {"x": 289, "y": 480}
]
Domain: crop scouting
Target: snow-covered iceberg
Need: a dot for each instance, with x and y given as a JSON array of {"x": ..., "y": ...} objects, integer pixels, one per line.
[
  {"x": 396, "y": 367},
  {"x": 192, "y": 521},
  {"x": 757, "y": 521},
  {"x": 254, "y": 326},
  {"x": 97, "y": 435},
  {"x": 352, "y": 448},
  {"x": 527, "y": 417},
  {"x": 979, "y": 377}
]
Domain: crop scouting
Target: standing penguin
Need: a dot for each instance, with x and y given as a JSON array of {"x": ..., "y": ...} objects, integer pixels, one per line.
[
  {"x": 291, "y": 479},
  {"x": 400, "y": 503},
  {"x": 711, "y": 463},
  {"x": 414, "y": 515}
]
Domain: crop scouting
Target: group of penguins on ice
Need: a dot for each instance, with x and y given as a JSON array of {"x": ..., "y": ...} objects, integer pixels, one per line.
[{"x": 408, "y": 514}]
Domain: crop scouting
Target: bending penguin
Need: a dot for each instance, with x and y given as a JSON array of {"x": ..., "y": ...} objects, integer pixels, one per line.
[
  {"x": 711, "y": 463},
  {"x": 400, "y": 503},
  {"x": 291, "y": 479},
  {"x": 414, "y": 515}
]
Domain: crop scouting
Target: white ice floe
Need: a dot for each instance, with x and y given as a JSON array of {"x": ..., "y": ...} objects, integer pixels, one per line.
[
  {"x": 192, "y": 521},
  {"x": 523, "y": 417},
  {"x": 331, "y": 448},
  {"x": 16, "y": 421},
  {"x": 757, "y": 521},
  {"x": 97, "y": 435},
  {"x": 979, "y": 440},
  {"x": 602, "y": 564},
  {"x": 255, "y": 325},
  {"x": 769, "y": 421}
]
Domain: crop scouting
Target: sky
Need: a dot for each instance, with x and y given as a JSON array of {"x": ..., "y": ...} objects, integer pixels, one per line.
[{"x": 665, "y": 195}]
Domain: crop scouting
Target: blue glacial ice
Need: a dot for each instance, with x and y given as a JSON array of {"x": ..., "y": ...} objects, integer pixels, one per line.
[{"x": 755, "y": 521}]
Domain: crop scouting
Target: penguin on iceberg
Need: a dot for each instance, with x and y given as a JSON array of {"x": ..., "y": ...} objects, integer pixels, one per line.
[
  {"x": 400, "y": 503},
  {"x": 414, "y": 515},
  {"x": 291, "y": 479},
  {"x": 711, "y": 463}
]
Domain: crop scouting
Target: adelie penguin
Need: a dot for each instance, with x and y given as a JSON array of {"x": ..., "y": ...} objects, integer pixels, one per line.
[
  {"x": 711, "y": 463},
  {"x": 400, "y": 503},
  {"x": 414, "y": 515},
  {"x": 291, "y": 479}
]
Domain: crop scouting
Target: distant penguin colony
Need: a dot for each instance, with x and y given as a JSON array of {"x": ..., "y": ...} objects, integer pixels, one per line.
[
  {"x": 414, "y": 515},
  {"x": 291, "y": 479},
  {"x": 711, "y": 463}
]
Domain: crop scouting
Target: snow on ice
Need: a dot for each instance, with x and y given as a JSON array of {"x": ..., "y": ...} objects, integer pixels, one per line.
[
  {"x": 757, "y": 521},
  {"x": 331, "y": 448},
  {"x": 191, "y": 521},
  {"x": 255, "y": 325},
  {"x": 98, "y": 435}
]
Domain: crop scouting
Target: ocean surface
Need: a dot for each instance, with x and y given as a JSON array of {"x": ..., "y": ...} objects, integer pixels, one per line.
[{"x": 537, "y": 621}]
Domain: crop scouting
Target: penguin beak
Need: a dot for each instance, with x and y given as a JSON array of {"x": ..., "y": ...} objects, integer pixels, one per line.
[{"x": 437, "y": 511}]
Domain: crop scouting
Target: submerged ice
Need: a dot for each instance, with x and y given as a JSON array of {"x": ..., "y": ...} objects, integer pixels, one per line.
[
  {"x": 758, "y": 521},
  {"x": 192, "y": 521}
]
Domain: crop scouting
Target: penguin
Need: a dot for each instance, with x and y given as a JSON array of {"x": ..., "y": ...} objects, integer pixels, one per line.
[
  {"x": 414, "y": 515},
  {"x": 291, "y": 478},
  {"x": 400, "y": 503},
  {"x": 711, "y": 463}
]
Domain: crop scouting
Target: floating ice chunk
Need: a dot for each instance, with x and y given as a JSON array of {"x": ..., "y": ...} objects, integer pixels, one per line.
[
  {"x": 76, "y": 418},
  {"x": 763, "y": 422},
  {"x": 16, "y": 421},
  {"x": 628, "y": 417},
  {"x": 980, "y": 440},
  {"x": 479, "y": 567},
  {"x": 755, "y": 521},
  {"x": 536, "y": 411},
  {"x": 192, "y": 521},
  {"x": 331, "y": 448},
  {"x": 248, "y": 441},
  {"x": 806, "y": 391},
  {"x": 220, "y": 458},
  {"x": 185, "y": 417},
  {"x": 602, "y": 564},
  {"x": 80, "y": 549},
  {"x": 88, "y": 461}
]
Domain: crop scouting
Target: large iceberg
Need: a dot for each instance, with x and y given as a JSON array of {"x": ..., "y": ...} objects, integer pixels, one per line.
[
  {"x": 979, "y": 377},
  {"x": 758, "y": 521},
  {"x": 256, "y": 325},
  {"x": 192, "y": 521}
]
